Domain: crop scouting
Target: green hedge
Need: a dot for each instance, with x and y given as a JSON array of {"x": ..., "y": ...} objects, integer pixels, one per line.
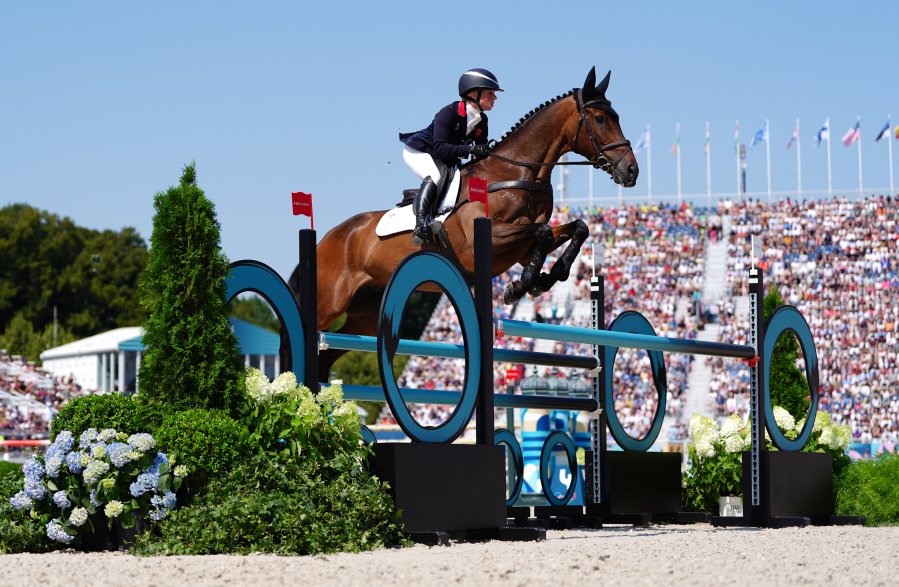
[
  {"x": 870, "y": 488},
  {"x": 18, "y": 532},
  {"x": 125, "y": 413}
]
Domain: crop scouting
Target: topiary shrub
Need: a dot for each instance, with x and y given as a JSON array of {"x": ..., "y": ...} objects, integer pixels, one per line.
[
  {"x": 208, "y": 442},
  {"x": 870, "y": 488},
  {"x": 275, "y": 504},
  {"x": 18, "y": 533},
  {"x": 112, "y": 410}
]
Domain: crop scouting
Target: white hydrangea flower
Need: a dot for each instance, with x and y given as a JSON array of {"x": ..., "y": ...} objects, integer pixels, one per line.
[
  {"x": 841, "y": 437},
  {"x": 827, "y": 438},
  {"x": 734, "y": 443},
  {"x": 113, "y": 509},
  {"x": 703, "y": 428},
  {"x": 822, "y": 421},
  {"x": 732, "y": 426},
  {"x": 107, "y": 435},
  {"x": 258, "y": 385},
  {"x": 331, "y": 394},
  {"x": 704, "y": 449},
  {"x": 785, "y": 421},
  {"x": 285, "y": 382},
  {"x": 78, "y": 517}
]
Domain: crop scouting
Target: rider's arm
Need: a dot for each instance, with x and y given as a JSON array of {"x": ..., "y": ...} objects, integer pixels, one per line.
[{"x": 446, "y": 135}]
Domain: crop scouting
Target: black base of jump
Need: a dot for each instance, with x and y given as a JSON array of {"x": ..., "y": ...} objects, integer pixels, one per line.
[
  {"x": 505, "y": 533},
  {"x": 444, "y": 487}
]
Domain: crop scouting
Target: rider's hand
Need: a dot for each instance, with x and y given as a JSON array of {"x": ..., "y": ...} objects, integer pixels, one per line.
[{"x": 480, "y": 150}]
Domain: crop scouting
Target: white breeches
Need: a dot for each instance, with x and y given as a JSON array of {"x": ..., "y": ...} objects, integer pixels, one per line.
[{"x": 423, "y": 165}]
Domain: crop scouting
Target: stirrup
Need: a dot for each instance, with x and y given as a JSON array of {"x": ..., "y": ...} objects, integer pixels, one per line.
[{"x": 421, "y": 235}]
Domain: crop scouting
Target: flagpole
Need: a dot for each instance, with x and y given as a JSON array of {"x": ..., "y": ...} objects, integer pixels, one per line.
[
  {"x": 620, "y": 196},
  {"x": 829, "y": 176},
  {"x": 768, "y": 155},
  {"x": 890, "y": 150},
  {"x": 861, "y": 190},
  {"x": 737, "y": 156},
  {"x": 649, "y": 160},
  {"x": 798, "y": 162},
  {"x": 590, "y": 188},
  {"x": 708, "y": 165},
  {"x": 677, "y": 146}
]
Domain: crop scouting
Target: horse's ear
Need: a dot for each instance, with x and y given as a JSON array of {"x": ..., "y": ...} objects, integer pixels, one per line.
[
  {"x": 604, "y": 85},
  {"x": 590, "y": 82}
]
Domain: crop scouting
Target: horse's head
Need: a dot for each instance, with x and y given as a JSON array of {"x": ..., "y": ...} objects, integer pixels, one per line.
[{"x": 602, "y": 140}]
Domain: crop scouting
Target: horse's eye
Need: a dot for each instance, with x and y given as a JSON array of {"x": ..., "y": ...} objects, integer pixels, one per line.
[{"x": 601, "y": 118}]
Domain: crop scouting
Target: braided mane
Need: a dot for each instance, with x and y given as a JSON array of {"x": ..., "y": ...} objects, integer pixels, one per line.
[{"x": 530, "y": 114}]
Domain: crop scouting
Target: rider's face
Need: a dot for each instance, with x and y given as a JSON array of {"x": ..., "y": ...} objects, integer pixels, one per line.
[{"x": 488, "y": 97}]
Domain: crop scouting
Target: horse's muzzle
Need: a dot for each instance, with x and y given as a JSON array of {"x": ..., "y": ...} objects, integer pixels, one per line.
[{"x": 626, "y": 174}]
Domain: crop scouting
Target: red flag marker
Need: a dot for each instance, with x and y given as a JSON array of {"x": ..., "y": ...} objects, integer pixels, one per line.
[
  {"x": 302, "y": 204},
  {"x": 477, "y": 191}
]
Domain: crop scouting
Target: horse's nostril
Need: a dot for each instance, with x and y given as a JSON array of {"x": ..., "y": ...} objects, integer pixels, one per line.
[{"x": 631, "y": 172}]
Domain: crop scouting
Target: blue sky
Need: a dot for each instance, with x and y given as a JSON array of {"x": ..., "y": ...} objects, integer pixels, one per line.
[{"x": 104, "y": 102}]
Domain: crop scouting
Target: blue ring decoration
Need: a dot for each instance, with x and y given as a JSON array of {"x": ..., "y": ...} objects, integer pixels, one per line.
[
  {"x": 265, "y": 281},
  {"x": 788, "y": 318},
  {"x": 415, "y": 270},
  {"x": 505, "y": 436},
  {"x": 558, "y": 437},
  {"x": 368, "y": 437},
  {"x": 634, "y": 323}
]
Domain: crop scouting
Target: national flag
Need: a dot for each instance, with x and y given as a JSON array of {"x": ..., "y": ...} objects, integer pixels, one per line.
[
  {"x": 823, "y": 134},
  {"x": 884, "y": 131},
  {"x": 477, "y": 191},
  {"x": 795, "y": 136},
  {"x": 853, "y": 134},
  {"x": 707, "y": 137},
  {"x": 737, "y": 138},
  {"x": 897, "y": 133},
  {"x": 302, "y": 204},
  {"x": 676, "y": 144},
  {"x": 761, "y": 135},
  {"x": 643, "y": 141}
]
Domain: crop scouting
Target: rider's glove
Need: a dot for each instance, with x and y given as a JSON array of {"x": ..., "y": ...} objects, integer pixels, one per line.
[{"x": 479, "y": 150}]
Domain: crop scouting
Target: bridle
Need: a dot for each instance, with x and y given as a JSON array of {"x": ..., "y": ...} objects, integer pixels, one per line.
[{"x": 599, "y": 160}]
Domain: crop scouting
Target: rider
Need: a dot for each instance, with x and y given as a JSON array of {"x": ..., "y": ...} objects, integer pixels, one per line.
[{"x": 458, "y": 130}]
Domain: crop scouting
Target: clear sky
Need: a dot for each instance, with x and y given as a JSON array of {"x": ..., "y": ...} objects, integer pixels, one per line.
[{"x": 103, "y": 102}]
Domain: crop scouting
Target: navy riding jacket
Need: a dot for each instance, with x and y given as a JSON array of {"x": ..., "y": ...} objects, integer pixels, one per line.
[{"x": 445, "y": 138}]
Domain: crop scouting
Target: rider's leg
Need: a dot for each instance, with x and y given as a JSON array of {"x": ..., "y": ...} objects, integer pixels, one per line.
[{"x": 422, "y": 205}]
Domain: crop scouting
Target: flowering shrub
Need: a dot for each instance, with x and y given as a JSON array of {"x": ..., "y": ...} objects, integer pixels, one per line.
[
  {"x": 286, "y": 417},
  {"x": 715, "y": 455},
  {"x": 106, "y": 472}
]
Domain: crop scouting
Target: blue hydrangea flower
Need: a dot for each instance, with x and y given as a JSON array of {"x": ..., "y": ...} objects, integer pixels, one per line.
[
  {"x": 160, "y": 459},
  {"x": 73, "y": 461},
  {"x": 107, "y": 434},
  {"x": 34, "y": 489},
  {"x": 94, "y": 501},
  {"x": 156, "y": 500},
  {"x": 169, "y": 500},
  {"x": 157, "y": 515},
  {"x": 33, "y": 469},
  {"x": 21, "y": 501},
  {"x": 142, "y": 442},
  {"x": 56, "y": 532},
  {"x": 63, "y": 443},
  {"x": 119, "y": 454},
  {"x": 61, "y": 500},
  {"x": 54, "y": 464},
  {"x": 147, "y": 481},
  {"x": 94, "y": 470},
  {"x": 88, "y": 437}
]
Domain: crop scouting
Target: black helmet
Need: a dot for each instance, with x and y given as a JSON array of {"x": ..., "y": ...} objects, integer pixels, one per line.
[{"x": 477, "y": 79}]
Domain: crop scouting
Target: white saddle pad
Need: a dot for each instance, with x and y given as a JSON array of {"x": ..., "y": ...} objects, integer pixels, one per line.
[{"x": 400, "y": 219}]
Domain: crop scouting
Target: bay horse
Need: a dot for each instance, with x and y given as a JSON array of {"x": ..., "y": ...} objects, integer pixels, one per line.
[{"x": 355, "y": 265}]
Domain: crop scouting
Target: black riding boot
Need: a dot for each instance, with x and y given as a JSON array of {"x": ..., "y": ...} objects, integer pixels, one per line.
[{"x": 424, "y": 201}]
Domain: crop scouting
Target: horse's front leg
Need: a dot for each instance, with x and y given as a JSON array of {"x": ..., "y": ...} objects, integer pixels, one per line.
[
  {"x": 543, "y": 242},
  {"x": 575, "y": 231}
]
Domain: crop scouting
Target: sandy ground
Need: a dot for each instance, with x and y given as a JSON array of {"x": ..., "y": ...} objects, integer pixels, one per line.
[{"x": 668, "y": 555}]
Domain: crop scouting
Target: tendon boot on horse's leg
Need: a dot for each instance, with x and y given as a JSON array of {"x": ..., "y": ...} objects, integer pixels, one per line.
[
  {"x": 424, "y": 201},
  {"x": 543, "y": 241},
  {"x": 561, "y": 269}
]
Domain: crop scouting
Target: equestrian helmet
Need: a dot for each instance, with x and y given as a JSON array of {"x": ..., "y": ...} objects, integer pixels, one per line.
[{"x": 477, "y": 79}]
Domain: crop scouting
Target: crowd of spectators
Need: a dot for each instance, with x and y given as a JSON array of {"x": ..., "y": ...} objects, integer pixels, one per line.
[
  {"x": 836, "y": 261},
  {"x": 29, "y": 397}
]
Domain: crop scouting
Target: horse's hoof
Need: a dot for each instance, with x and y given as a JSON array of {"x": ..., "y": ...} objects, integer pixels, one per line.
[{"x": 513, "y": 292}]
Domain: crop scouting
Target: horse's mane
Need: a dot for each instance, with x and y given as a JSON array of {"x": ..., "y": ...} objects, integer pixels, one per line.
[{"x": 530, "y": 114}]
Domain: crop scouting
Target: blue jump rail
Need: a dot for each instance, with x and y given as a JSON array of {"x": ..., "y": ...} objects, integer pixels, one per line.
[
  {"x": 625, "y": 339},
  {"x": 374, "y": 393},
  {"x": 356, "y": 342}
]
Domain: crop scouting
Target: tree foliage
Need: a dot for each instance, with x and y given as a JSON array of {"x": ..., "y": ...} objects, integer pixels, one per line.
[
  {"x": 789, "y": 387},
  {"x": 255, "y": 310},
  {"x": 46, "y": 261},
  {"x": 192, "y": 358}
]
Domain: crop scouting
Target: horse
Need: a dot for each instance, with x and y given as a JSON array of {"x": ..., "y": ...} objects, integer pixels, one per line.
[{"x": 355, "y": 265}]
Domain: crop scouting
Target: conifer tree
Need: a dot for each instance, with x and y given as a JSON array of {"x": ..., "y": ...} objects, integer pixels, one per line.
[
  {"x": 191, "y": 357},
  {"x": 789, "y": 387}
]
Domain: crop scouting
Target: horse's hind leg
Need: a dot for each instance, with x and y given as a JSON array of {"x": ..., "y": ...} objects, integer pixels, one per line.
[{"x": 543, "y": 241}]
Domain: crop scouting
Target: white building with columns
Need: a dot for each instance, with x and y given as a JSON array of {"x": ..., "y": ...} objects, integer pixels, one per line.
[{"x": 110, "y": 361}]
